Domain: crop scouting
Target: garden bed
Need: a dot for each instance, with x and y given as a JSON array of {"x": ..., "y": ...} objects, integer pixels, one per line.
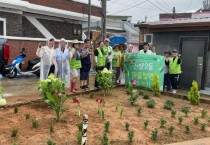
[{"x": 65, "y": 131}]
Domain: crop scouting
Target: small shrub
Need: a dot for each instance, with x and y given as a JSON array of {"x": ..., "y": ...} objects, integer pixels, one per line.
[
  {"x": 79, "y": 126},
  {"x": 186, "y": 110},
  {"x": 15, "y": 109},
  {"x": 168, "y": 104},
  {"x": 194, "y": 94},
  {"x": 203, "y": 113},
  {"x": 173, "y": 113},
  {"x": 150, "y": 104},
  {"x": 27, "y": 116},
  {"x": 155, "y": 134},
  {"x": 203, "y": 126},
  {"x": 121, "y": 113},
  {"x": 139, "y": 109},
  {"x": 92, "y": 95},
  {"x": 156, "y": 86},
  {"x": 180, "y": 118},
  {"x": 196, "y": 120},
  {"x": 105, "y": 139},
  {"x": 49, "y": 142},
  {"x": 127, "y": 126},
  {"x": 102, "y": 114},
  {"x": 51, "y": 129},
  {"x": 35, "y": 123},
  {"x": 141, "y": 93},
  {"x": 162, "y": 122},
  {"x": 79, "y": 137},
  {"x": 146, "y": 96},
  {"x": 187, "y": 129},
  {"x": 14, "y": 132},
  {"x": 146, "y": 123},
  {"x": 171, "y": 102},
  {"x": 116, "y": 108},
  {"x": 130, "y": 136},
  {"x": 171, "y": 130},
  {"x": 106, "y": 126},
  {"x": 133, "y": 98}
]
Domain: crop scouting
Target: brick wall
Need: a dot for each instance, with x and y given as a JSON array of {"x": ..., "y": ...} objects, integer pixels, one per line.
[
  {"x": 13, "y": 23},
  {"x": 68, "y": 5}
]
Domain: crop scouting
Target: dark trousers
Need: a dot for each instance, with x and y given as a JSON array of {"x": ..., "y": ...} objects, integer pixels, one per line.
[
  {"x": 2, "y": 66},
  {"x": 108, "y": 65},
  {"x": 52, "y": 69},
  {"x": 174, "y": 81},
  {"x": 98, "y": 69},
  {"x": 117, "y": 71},
  {"x": 167, "y": 82}
]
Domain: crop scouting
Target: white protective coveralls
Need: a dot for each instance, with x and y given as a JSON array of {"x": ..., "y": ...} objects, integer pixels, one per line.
[
  {"x": 47, "y": 56},
  {"x": 62, "y": 59}
]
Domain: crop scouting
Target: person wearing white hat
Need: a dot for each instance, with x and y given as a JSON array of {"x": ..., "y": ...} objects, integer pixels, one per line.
[
  {"x": 75, "y": 63},
  {"x": 63, "y": 54},
  {"x": 48, "y": 60},
  {"x": 108, "y": 54}
]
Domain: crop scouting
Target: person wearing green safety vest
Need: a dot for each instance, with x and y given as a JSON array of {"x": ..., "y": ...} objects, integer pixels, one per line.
[
  {"x": 108, "y": 54},
  {"x": 75, "y": 64},
  {"x": 175, "y": 69},
  {"x": 100, "y": 59},
  {"x": 116, "y": 62}
]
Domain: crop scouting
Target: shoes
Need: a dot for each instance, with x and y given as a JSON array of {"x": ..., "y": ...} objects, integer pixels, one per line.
[
  {"x": 174, "y": 91},
  {"x": 82, "y": 87},
  {"x": 86, "y": 88}
]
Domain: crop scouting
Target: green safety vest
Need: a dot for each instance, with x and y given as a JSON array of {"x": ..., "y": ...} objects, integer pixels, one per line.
[
  {"x": 101, "y": 58},
  {"x": 122, "y": 58},
  {"x": 116, "y": 61},
  {"x": 174, "y": 68},
  {"x": 107, "y": 49},
  {"x": 74, "y": 63}
]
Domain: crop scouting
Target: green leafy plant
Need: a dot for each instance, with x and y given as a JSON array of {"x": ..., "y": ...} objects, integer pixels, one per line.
[
  {"x": 139, "y": 110},
  {"x": 196, "y": 120},
  {"x": 92, "y": 95},
  {"x": 53, "y": 91},
  {"x": 146, "y": 96},
  {"x": 129, "y": 90},
  {"x": 194, "y": 94},
  {"x": 130, "y": 136},
  {"x": 203, "y": 113},
  {"x": 168, "y": 104},
  {"x": 102, "y": 114},
  {"x": 151, "y": 104},
  {"x": 173, "y": 113},
  {"x": 79, "y": 137},
  {"x": 121, "y": 113},
  {"x": 156, "y": 86},
  {"x": 105, "y": 139},
  {"x": 141, "y": 93},
  {"x": 52, "y": 129},
  {"x": 35, "y": 123},
  {"x": 171, "y": 130},
  {"x": 107, "y": 126},
  {"x": 154, "y": 134},
  {"x": 186, "y": 110},
  {"x": 187, "y": 129},
  {"x": 27, "y": 116},
  {"x": 180, "y": 118},
  {"x": 106, "y": 79},
  {"x": 50, "y": 142},
  {"x": 15, "y": 109},
  {"x": 133, "y": 98},
  {"x": 203, "y": 126},
  {"x": 127, "y": 126},
  {"x": 14, "y": 132},
  {"x": 146, "y": 123},
  {"x": 162, "y": 122},
  {"x": 79, "y": 126}
]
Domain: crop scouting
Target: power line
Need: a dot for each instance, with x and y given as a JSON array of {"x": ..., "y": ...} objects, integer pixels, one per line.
[
  {"x": 112, "y": 3},
  {"x": 189, "y": 5},
  {"x": 162, "y": 5},
  {"x": 131, "y": 6},
  {"x": 157, "y": 6}
]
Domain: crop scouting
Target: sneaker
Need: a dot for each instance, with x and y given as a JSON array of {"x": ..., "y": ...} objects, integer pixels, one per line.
[
  {"x": 174, "y": 91},
  {"x": 82, "y": 87},
  {"x": 86, "y": 88}
]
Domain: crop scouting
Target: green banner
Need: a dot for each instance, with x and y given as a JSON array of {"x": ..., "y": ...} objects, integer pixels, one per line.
[{"x": 142, "y": 68}]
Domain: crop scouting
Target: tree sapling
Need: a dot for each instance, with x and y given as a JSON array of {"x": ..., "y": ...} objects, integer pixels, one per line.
[
  {"x": 154, "y": 134},
  {"x": 187, "y": 129},
  {"x": 146, "y": 123},
  {"x": 203, "y": 126},
  {"x": 102, "y": 114},
  {"x": 130, "y": 136},
  {"x": 180, "y": 118},
  {"x": 186, "y": 110},
  {"x": 106, "y": 126},
  {"x": 14, "y": 132},
  {"x": 15, "y": 109},
  {"x": 105, "y": 139},
  {"x": 173, "y": 113},
  {"x": 139, "y": 109},
  {"x": 79, "y": 137},
  {"x": 171, "y": 130},
  {"x": 121, "y": 113},
  {"x": 35, "y": 123},
  {"x": 146, "y": 96},
  {"x": 162, "y": 122},
  {"x": 203, "y": 113},
  {"x": 196, "y": 120},
  {"x": 127, "y": 126},
  {"x": 27, "y": 116},
  {"x": 150, "y": 104},
  {"x": 50, "y": 142},
  {"x": 51, "y": 129}
]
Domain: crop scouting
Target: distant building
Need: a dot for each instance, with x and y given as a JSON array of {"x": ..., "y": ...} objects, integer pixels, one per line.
[{"x": 26, "y": 23}]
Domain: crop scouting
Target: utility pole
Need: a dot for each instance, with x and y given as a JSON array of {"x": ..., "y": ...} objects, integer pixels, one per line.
[
  {"x": 103, "y": 19},
  {"x": 89, "y": 14},
  {"x": 174, "y": 12}
]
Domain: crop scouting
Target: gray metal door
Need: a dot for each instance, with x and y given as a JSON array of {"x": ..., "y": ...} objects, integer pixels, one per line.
[{"x": 192, "y": 62}]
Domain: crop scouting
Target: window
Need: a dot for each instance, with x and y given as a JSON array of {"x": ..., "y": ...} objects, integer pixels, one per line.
[
  {"x": 75, "y": 31},
  {"x": 2, "y": 27},
  {"x": 148, "y": 38}
]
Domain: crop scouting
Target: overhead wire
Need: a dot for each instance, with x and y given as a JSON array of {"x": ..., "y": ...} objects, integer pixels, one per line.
[
  {"x": 112, "y": 3},
  {"x": 162, "y": 5},
  {"x": 189, "y": 5},
  {"x": 157, "y": 6}
]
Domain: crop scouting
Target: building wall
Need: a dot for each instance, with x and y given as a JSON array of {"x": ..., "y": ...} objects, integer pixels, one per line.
[
  {"x": 13, "y": 23},
  {"x": 68, "y": 5},
  {"x": 170, "y": 40}
]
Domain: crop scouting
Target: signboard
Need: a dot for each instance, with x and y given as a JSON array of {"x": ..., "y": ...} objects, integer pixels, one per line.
[{"x": 142, "y": 68}]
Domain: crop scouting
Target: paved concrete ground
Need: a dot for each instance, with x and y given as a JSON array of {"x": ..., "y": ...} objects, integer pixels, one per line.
[{"x": 203, "y": 141}]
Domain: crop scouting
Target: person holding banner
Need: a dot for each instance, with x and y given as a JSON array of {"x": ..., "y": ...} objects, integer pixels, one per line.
[
  {"x": 167, "y": 81},
  {"x": 116, "y": 62},
  {"x": 146, "y": 50},
  {"x": 175, "y": 69}
]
